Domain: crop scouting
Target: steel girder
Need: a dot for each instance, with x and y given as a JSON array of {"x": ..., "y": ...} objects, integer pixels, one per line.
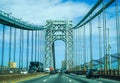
[{"x": 59, "y": 30}]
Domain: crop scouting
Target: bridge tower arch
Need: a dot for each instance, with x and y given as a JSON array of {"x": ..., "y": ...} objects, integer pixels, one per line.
[{"x": 58, "y": 30}]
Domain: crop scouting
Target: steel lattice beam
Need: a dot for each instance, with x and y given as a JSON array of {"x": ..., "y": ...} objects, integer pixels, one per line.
[{"x": 59, "y": 30}]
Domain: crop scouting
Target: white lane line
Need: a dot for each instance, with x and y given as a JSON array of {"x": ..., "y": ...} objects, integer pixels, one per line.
[
  {"x": 100, "y": 82},
  {"x": 70, "y": 80},
  {"x": 63, "y": 76},
  {"x": 45, "y": 80}
]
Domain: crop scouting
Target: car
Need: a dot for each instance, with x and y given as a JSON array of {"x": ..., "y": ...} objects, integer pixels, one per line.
[
  {"x": 52, "y": 72},
  {"x": 92, "y": 73},
  {"x": 10, "y": 71},
  {"x": 24, "y": 72}
]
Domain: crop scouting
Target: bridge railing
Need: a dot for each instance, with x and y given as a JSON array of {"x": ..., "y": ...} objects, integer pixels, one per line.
[{"x": 18, "y": 22}]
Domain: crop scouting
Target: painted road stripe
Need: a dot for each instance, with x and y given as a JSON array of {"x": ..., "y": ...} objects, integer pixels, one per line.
[
  {"x": 70, "y": 80},
  {"x": 45, "y": 80},
  {"x": 28, "y": 78}
]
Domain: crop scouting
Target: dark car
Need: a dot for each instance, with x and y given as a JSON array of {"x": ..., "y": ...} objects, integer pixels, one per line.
[
  {"x": 92, "y": 73},
  {"x": 52, "y": 72}
]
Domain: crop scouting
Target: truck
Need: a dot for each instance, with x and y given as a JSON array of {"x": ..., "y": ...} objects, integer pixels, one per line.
[{"x": 36, "y": 67}]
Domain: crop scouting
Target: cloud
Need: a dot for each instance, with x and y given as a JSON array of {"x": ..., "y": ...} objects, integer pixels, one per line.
[{"x": 41, "y": 10}]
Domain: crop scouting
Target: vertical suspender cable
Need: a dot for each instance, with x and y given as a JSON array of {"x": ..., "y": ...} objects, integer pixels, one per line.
[
  {"x": 10, "y": 37},
  {"x": 35, "y": 45},
  {"x": 22, "y": 46},
  {"x": 118, "y": 31},
  {"x": 14, "y": 44},
  {"x": 81, "y": 49},
  {"x": 32, "y": 48},
  {"x": 27, "y": 49},
  {"x": 42, "y": 38},
  {"x": 3, "y": 40},
  {"x": 100, "y": 47},
  {"x": 104, "y": 40},
  {"x": 84, "y": 46},
  {"x": 80, "y": 58},
  {"x": 38, "y": 46},
  {"x": 91, "y": 53},
  {"x": 76, "y": 48},
  {"x": 20, "y": 51}
]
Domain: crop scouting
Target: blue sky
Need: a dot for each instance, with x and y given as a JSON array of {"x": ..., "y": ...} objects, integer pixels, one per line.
[{"x": 37, "y": 12}]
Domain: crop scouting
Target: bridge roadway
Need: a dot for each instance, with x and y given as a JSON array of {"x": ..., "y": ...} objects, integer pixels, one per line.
[{"x": 65, "y": 78}]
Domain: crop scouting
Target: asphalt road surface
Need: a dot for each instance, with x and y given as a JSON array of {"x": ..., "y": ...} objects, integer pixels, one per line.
[{"x": 58, "y": 78}]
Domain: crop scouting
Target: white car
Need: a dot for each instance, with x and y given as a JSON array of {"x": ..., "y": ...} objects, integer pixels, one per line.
[
  {"x": 24, "y": 72},
  {"x": 10, "y": 71}
]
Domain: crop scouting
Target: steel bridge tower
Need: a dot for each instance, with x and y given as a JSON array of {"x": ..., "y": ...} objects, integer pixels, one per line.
[{"x": 58, "y": 30}]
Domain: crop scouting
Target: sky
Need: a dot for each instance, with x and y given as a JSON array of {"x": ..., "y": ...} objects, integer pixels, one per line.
[{"x": 38, "y": 11}]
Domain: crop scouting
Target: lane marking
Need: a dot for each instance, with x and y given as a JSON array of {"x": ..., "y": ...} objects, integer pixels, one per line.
[
  {"x": 45, "y": 80},
  {"x": 70, "y": 80},
  {"x": 28, "y": 78}
]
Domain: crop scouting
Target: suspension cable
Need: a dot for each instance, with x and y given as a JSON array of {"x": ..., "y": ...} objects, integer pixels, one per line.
[
  {"x": 3, "y": 41},
  {"x": 104, "y": 40},
  {"x": 96, "y": 14},
  {"x": 84, "y": 46},
  {"x": 10, "y": 38},
  {"x": 14, "y": 44},
  {"x": 27, "y": 49},
  {"x": 91, "y": 53},
  {"x": 22, "y": 46},
  {"x": 100, "y": 47},
  {"x": 91, "y": 10},
  {"x": 80, "y": 52},
  {"x": 35, "y": 45},
  {"x": 38, "y": 46},
  {"x": 32, "y": 48},
  {"x": 76, "y": 48},
  {"x": 118, "y": 31},
  {"x": 20, "y": 51}
]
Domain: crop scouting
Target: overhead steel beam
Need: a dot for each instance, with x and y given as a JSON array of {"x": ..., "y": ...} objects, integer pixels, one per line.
[
  {"x": 91, "y": 10},
  {"x": 9, "y": 20},
  {"x": 101, "y": 10}
]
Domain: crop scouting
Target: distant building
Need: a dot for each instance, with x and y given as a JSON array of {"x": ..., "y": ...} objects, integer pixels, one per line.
[{"x": 12, "y": 64}]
